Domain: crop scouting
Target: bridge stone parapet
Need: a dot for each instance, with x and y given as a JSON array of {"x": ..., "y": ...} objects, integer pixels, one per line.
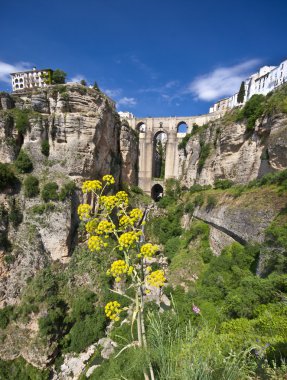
[{"x": 150, "y": 128}]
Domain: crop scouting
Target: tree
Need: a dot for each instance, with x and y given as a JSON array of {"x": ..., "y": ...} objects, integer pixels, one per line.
[
  {"x": 241, "y": 93},
  {"x": 58, "y": 77},
  {"x": 83, "y": 82},
  {"x": 95, "y": 86}
]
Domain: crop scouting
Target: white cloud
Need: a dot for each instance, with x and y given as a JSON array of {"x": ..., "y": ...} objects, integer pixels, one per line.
[
  {"x": 127, "y": 101},
  {"x": 113, "y": 92},
  {"x": 77, "y": 78},
  {"x": 223, "y": 81},
  {"x": 6, "y": 69}
]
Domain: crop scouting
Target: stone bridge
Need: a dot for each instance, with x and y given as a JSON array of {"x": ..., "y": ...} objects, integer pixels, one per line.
[{"x": 169, "y": 131}]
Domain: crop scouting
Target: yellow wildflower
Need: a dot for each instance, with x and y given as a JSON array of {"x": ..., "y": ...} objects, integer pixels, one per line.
[
  {"x": 128, "y": 239},
  {"x": 125, "y": 222},
  {"x": 113, "y": 310},
  {"x": 95, "y": 243},
  {"x": 84, "y": 211},
  {"x": 122, "y": 198},
  {"x": 118, "y": 269},
  {"x": 91, "y": 186},
  {"x": 91, "y": 226},
  {"x": 148, "y": 250},
  {"x": 156, "y": 278},
  {"x": 136, "y": 215},
  {"x": 109, "y": 179},
  {"x": 108, "y": 202},
  {"x": 105, "y": 227}
]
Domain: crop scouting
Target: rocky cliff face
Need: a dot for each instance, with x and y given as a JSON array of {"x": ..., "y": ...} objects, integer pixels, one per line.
[
  {"x": 86, "y": 141},
  {"x": 235, "y": 154}
]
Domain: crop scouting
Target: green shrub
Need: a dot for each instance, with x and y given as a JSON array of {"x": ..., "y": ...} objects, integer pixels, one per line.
[
  {"x": 223, "y": 184},
  {"x": 7, "y": 177},
  {"x": 198, "y": 200},
  {"x": 15, "y": 214},
  {"x": 204, "y": 153},
  {"x": 19, "y": 369},
  {"x": 50, "y": 192},
  {"x": 23, "y": 162},
  {"x": 252, "y": 110},
  {"x": 67, "y": 190},
  {"x": 171, "y": 247},
  {"x": 6, "y": 315},
  {"x": 42, "y": 208},
  {"x": 189, "y": 208},
  {"x": 31, "y": 186},
  {"x": 211, "y": 201},
  {"x": 195, "y": 188},
  {"x": 21, "y": 121},
  {"x": 184, "y": 141},
  {"x": 45, "y": 148}
]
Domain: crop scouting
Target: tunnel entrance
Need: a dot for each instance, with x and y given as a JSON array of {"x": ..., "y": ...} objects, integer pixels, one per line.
[{"x": 157, "y": 192}]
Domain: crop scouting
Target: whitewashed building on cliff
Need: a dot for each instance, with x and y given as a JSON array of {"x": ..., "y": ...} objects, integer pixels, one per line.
[
  {"x": 265, "y": 80},
  {"x": 31, "y": 79}
]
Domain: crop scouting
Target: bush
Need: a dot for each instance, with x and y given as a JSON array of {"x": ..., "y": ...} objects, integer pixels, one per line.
[
  {"x": 7, "y": 177},
  {"x": 42, "y": 208},
  {"x": 184, "y": 141},
  {"x": 204, "y": 153},
  {"x": 198, "y": 200},
  {"x": 211, "y": 201},
  {"x": 21, "y": 121},
  {"x": 67, "y": 190},
  {"x": 15, "y": 214},
  {"x": 45, "y": 148},
  {"x": 23, "y": 162},
  {"x": 252, "y": 110},
  {"x": 223, "y": 184},
  {"x": 6, "y": 315},
  {"x": 31, "y": 186},
  {"x": 50, "y": 192}
]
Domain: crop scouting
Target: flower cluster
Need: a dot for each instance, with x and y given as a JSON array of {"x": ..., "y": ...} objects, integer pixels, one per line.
[
  {"x": 105, "y": 227},
  {"x": 95, "y": 243},
  {"x": 125, "y": 222},
  {"x": 84, "y": 211},
  {"x": 91, "y": 186},
  {"x": 113, "y": 310},
  {"x": 148, "y": 250},
  {"x": 128, "y": 239},
  {"x": 91, "y": 225},
  {"x": 136, "y": 215},
  {"x": 109, "y": 179},
  {"x": 122, "y": 198},
  {"x": 108, "y": 202},
  {"x": 156, "y": 278},
  {"x": 118, "y": 269}
]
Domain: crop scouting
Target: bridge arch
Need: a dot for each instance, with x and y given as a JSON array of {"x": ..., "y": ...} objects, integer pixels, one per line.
[
  {"x": 141, "y": 127},
  {"x": 182, "y": 127},
  {"x": 159, "y": 154},
  {"x": 125, "y": 123},
  {"x": 157, "y": 192}
]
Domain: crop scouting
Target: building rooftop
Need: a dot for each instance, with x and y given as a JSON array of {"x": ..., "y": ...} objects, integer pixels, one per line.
[{"x": 30, "y": 71}]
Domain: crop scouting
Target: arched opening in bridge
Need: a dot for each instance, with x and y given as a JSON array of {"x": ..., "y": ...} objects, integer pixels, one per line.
[
  {"x": 159, "y": 154},
  {"x": 157, "y": 192},
  {"x": 141, "y": 127},
  {"x": 182, "y": 127}
]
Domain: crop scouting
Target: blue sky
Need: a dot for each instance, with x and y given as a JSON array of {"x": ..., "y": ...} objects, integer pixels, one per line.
[{"x": 154, "y": 57}]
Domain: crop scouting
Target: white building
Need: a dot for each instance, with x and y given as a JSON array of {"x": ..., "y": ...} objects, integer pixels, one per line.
[
  {"x": 265, "y": 80},
  {"x": 31, "y": 79}
]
